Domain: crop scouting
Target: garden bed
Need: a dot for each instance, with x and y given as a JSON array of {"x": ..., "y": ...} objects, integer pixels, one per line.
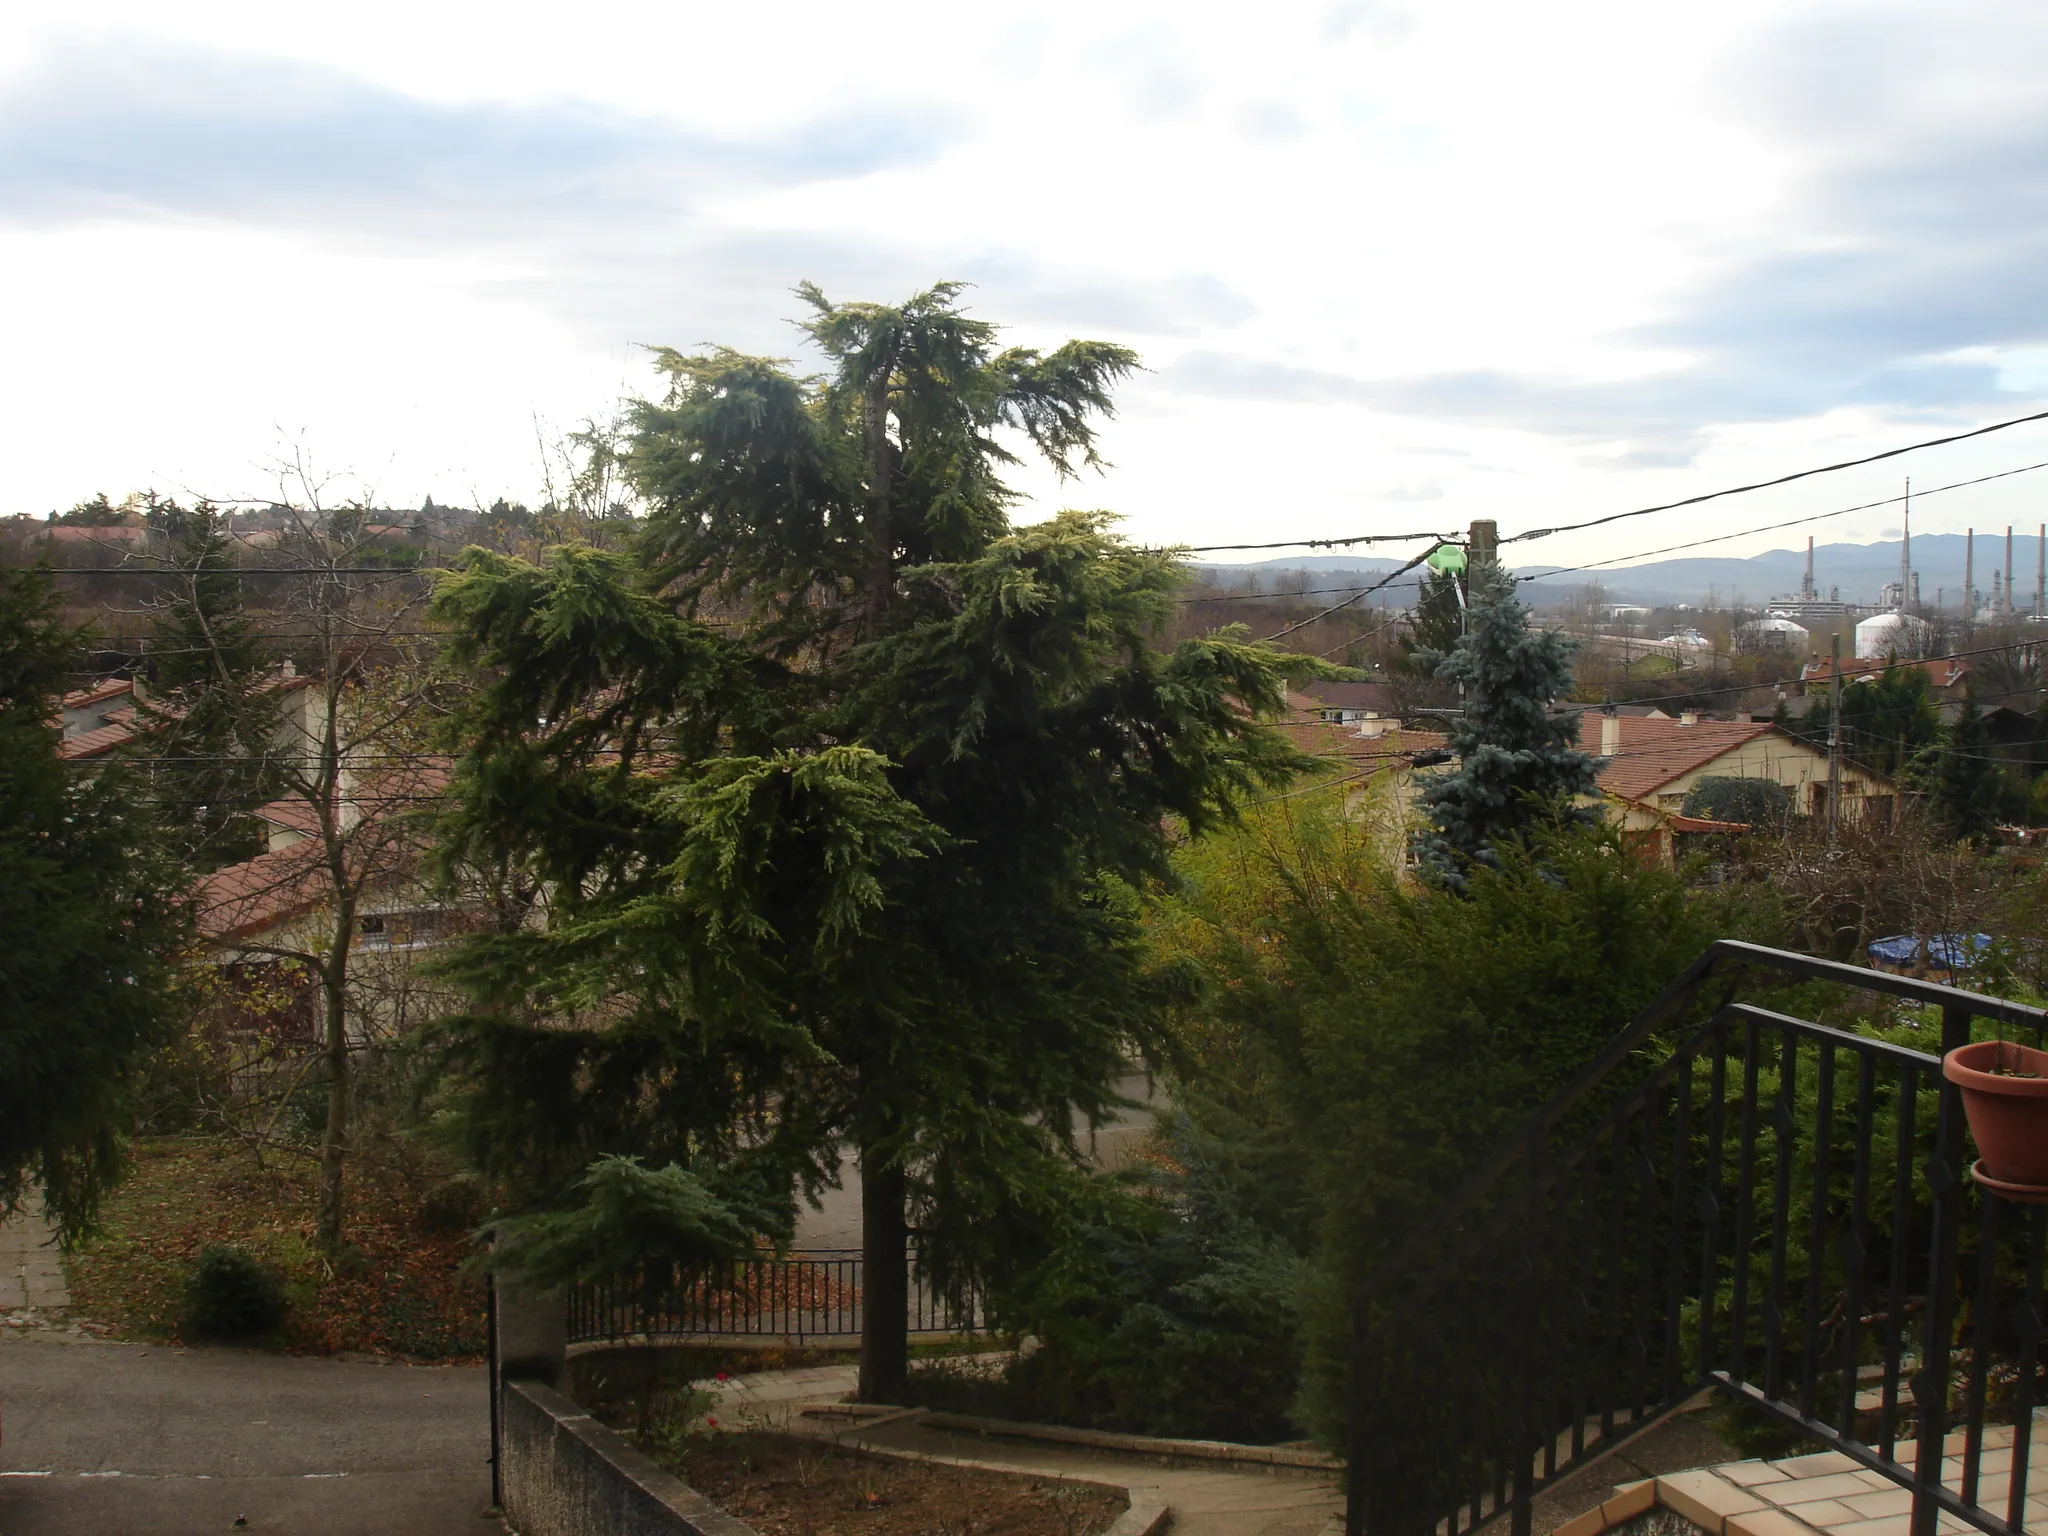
[
  {"x": 788, "y": 1485},
  {"x": 394, "y": 1291}
]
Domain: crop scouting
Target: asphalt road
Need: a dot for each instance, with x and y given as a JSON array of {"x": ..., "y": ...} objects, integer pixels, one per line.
[{"x": 135, "y": 1440}]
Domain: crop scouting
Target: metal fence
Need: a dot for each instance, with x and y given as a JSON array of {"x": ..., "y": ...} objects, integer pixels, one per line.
[
  {"x": 814, "y": 1294},
  {"x": 1779, "y": 1209}
]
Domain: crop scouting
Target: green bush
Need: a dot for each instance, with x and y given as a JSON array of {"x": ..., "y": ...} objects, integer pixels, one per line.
[
  {"x": 1762, "y": 804},
  {"x": 1380, "y": 1038},
  {"x": 230, "y": 1295},
  {"x": 1180, "y": 1315}
]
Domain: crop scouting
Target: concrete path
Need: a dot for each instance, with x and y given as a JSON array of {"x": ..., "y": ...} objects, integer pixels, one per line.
[
  {"x": 1207, "y": 1498},
  {"x": 140, "y": 1440},
  {"x": 32, "y": 1289}
]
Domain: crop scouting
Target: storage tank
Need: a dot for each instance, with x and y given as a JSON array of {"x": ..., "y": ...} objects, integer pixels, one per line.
[
  {"x": 1892, "y": 634},
  {"x": 1772, "y": 635}
]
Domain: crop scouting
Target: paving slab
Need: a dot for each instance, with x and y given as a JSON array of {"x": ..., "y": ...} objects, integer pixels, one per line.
[{"x": 31, "y": 1269}]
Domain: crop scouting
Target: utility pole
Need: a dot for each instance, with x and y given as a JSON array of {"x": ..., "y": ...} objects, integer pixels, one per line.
[
  {"x": 1834, "y": 737},
  {"x": 1483, "y": 543}
]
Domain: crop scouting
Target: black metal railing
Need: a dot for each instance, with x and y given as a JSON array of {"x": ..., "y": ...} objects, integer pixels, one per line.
[
  {"x": 1778, "y": 1209},
  {"x": 815, "y": 1294}
]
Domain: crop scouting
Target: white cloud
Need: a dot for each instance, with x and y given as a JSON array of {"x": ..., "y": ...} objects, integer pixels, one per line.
[{"x": 1537, "y": 260}]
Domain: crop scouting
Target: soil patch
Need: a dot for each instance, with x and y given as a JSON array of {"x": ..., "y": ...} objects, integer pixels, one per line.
[
  {"x": 395, "y": 1292},
  {"x": 786, "y": 1485}
]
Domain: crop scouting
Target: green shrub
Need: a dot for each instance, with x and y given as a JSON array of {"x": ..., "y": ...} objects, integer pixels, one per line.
[
  {"x": 230, "y": 1295},
  {"x": 1188, "y": 1324},
  {"x": 1759, "y": 803}
]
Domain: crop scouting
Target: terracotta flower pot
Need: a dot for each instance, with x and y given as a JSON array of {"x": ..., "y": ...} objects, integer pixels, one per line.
[{"x": 2008, "y": 1115}]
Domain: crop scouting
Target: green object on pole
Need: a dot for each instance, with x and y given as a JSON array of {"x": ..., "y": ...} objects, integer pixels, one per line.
[{"x": 1446, "y": 559}]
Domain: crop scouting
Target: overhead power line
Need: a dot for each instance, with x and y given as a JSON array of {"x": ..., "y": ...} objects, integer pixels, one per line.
[
  {"x": 1362, "y": 538},
  {"x": 1818, "y": 517},
  {"x": 1764, "y": 485},
  {"x": 1339, "y": 607},
  {"x": 1667, "y": 506}
]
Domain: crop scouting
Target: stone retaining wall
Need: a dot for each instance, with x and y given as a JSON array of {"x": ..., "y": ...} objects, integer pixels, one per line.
[{"x": 564, "y": 1474}]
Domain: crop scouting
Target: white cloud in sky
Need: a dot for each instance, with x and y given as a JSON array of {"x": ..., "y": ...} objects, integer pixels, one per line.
[{"x": 1385, "y": 262}]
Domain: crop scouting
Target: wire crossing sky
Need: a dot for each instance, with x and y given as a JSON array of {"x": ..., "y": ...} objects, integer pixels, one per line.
[{"x": 1391, "y": 266}]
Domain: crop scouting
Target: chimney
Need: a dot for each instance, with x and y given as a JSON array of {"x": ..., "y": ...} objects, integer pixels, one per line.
[
  {"x": 1688, "y": 717},
  {"x": 1906, "y": 548},
  {"x": 1610, "y": 734},
  {"x": 2041, "y": 573},
  {"x": 1969, "y": 575},
  {"x": 2008, "y": 570},
  {"x": 1806, "y": 586}
]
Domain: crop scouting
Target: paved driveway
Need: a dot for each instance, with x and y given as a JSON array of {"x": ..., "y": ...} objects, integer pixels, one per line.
[{"x": 136, "y": 1440}]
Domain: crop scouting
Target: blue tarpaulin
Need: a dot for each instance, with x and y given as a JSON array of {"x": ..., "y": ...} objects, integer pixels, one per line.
[{"x": 1948, "y": 951}]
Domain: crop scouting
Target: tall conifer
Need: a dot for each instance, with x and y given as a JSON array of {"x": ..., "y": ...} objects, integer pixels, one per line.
[{"x": 828, "y": 816}]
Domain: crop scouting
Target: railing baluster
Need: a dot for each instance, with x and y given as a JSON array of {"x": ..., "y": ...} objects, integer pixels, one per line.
[
  {"x": 1710, "y": 1198},
  {"x": 1681, "y": 1205},
  {"x": 1585, "y": 1296},
  {"x": 1612, "y": 1292},
  {"x": 1983, "y": 1330},
  {"x": 1745, "y": 1207},
  {"x": 1817, "y": 1228},
  {"x": 1781, "y": 1217},
  {"x": 1908, "y": 1129},
  {"x": 1944, "y": 1175},
  {"x": 1856, "y": 1241},
  {"x": 1643, "y": 1309},
  {"x": 2027, "y": 1324}
]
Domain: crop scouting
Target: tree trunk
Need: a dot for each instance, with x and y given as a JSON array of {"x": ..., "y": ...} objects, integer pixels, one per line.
[
  {"x": 881, "y": 577},
  {"x": 334, "y": 1141},
  {"x": 885, "y": 1282}
]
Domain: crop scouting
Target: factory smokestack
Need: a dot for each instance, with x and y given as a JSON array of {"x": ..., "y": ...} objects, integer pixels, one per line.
[
  {"x": 1969, "y": 576},
  {"x": 2008, "y": 570},
  {"x": 1806, "y": 587},
  {"x": 1906, "y": 549}
]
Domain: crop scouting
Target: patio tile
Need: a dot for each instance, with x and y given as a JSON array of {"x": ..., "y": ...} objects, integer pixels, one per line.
[
  {"x": 1704, "y": 1499},
  {"x": 1819, "y": 1464},
  {"x": 1869, "y": 1506},
  {"x": 1821, "y": 1513},
  {"x": 1750, "y": 1473}
]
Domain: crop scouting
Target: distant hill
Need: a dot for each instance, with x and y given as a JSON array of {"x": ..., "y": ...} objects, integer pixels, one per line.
[{"x": 1860, "y": 571}]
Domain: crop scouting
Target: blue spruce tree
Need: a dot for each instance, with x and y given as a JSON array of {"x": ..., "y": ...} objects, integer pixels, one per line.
[{"x": 1517, "y": 762}]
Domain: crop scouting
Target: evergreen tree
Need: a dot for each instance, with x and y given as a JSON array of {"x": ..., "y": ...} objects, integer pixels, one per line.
[
  {"x": 1962, "y": 777},
  {"x": 90, "y": 911},
  {"x": 1435, "y": 624},
  {"x": 213, "y": 716},
  {"x": 1518, "y": 762},
  {"x": 1886, "y": 722},
  {"x": 854, "y": 858}
]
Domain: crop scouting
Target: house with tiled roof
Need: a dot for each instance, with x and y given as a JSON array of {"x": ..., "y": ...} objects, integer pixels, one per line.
[
  {"x": 265, "y": 921},
  {"x": 100, "y": 720},
  {"x": 1651, "y": 764}
]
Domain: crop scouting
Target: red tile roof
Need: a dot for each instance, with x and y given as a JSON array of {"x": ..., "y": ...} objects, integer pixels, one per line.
[
  {"x": 1304, "y": 726},
  {"x": 295, "y": 815},
  {"x": 95, "y": 743},
  {"x": 85, "y": 698},
  {"x": 1654, "y": 752},
  {"x": 246, "y": 898}
]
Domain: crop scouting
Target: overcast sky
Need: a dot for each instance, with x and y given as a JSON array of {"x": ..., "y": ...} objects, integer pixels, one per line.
[{"x": 1391, "y": 267}]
